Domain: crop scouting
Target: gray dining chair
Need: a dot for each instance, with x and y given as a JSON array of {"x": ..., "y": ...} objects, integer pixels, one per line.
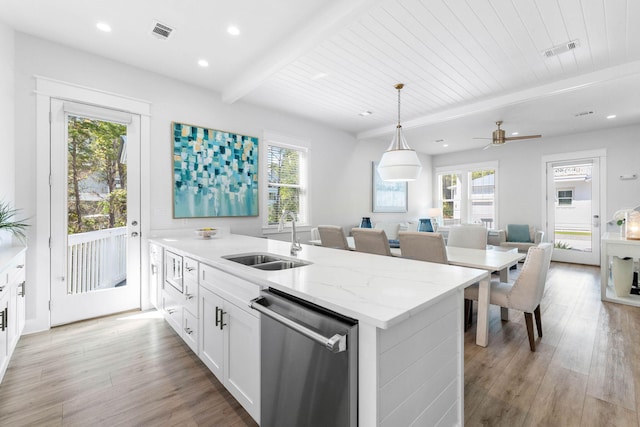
[
  {"x": 468, "y": 236},
  {"x": 423, "y": 246},
  {"x": 332, "y": 236},
  {"x": 371, "y": 241},
  {"x": 524, "y": 293}
]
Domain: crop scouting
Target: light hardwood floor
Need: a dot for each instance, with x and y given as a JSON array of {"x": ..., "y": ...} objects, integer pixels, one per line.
[
  {"x": 122, "y": 370},
  {"x": 128, "y": 370},
  {"x": 585, "y": 371}
]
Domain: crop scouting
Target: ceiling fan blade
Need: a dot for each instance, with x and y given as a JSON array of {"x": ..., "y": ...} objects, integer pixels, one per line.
[
  {"x": 514, "y": 138},
  {"x": 477, "y": 137},
  {"x": 487, "y": 146}
]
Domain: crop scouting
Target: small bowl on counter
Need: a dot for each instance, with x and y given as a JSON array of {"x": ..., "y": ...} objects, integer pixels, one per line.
[{"x": 206, "y": 233}]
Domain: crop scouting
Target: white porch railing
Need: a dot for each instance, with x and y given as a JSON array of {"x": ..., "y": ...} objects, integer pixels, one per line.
[{"x": 96, "y": 259}]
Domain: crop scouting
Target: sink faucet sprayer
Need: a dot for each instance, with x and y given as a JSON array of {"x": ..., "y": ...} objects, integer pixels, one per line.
[{"x": 295, "y": 245}]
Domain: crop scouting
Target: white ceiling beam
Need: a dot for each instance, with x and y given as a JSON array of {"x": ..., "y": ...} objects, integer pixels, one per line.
[
  {"x": 328, "y": 22},
  {"x": 550, "y": 89}
]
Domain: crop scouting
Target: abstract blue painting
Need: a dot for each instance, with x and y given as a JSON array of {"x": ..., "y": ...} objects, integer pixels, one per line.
[{"x": 215, "y": 173}]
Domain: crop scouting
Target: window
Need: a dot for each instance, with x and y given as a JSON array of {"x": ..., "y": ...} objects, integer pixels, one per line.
[
  {"x": 286, "y": 172},
  {"x": 467, "y": 194},
  {"x": 565, "y": 197}
]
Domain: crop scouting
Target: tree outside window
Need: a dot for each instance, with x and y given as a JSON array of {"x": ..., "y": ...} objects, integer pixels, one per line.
[{"x": 285, "y": 189}]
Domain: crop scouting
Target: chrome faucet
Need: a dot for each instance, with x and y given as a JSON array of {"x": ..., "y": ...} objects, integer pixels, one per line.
[{"x": 295, "y": 245}]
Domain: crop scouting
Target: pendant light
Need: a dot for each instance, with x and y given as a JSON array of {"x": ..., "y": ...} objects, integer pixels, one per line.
[{"x": 399, "y": 162}]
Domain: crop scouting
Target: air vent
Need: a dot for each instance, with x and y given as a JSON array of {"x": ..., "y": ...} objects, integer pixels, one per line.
[
  {"x": 557, "y": 50},
  {"x": 583, "y": 113},
  {"x": 161, "y": 31}
]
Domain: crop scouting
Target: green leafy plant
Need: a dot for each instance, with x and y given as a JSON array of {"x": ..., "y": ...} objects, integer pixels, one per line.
[
  {"x": 10, "y": 224},
  {"x": 562, "y": 245}
]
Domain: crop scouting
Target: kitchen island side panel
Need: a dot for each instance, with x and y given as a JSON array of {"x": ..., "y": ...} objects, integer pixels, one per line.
[{"x": 419, "y": 369}]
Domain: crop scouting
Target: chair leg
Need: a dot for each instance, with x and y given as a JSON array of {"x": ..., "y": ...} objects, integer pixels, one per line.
[
  {"x": 528, "y": 317},
  {"x": 536, "y": 312},
  {"x": 468, "y": 311}
]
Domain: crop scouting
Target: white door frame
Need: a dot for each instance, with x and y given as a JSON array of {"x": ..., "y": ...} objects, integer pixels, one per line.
[
  {"x": 46, "y": 89},
  {"x": 601, "y": 154}
]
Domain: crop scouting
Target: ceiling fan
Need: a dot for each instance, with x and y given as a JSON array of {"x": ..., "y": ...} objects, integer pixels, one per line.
[{"x": 499, "y": 139}]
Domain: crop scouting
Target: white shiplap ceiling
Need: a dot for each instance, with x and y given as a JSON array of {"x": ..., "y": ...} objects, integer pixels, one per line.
[{"x": 465, "y": 64}]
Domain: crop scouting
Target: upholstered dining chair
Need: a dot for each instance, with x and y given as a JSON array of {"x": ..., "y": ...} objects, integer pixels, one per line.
[
  {"x": 422, "y": 246},
  {"x": 371, "y": 241},
  {"x": 332, "y": 236},
  {"x": 468, "y": 236},
  {"x": 524, "y": 294}
]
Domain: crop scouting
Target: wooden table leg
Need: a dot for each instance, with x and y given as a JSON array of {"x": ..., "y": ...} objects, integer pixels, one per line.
[{"x": 482, "y": 328}]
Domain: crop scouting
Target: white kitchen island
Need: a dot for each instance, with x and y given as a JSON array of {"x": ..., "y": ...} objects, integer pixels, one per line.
[{"x": 410, "y": 315}]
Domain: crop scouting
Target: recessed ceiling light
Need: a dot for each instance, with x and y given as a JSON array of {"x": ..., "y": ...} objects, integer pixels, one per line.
[
  {"x": 515, "y": 133},
  {"x": 103, "y": 26},
  {"x": 612, "y": 116},
  {"x": 366, "y": 113},
  {"x": 233, "y": 30},
  {"x": 319, "y": 76},
  {"x": 203, "y": 63},
  {"x": 445, "y": 145}
]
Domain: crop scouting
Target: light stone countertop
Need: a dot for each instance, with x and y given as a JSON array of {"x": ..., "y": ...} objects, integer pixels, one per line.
[{"x": 378, "y": 290}]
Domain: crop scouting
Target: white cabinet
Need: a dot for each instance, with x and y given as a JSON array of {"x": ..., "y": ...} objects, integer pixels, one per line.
[
  {"x": 230, "y": 335},
  {"x": 12, "y": 302},
  {"x": 155, "y": 274},
  {"x": 179, "y": 296},
  {"x": 613, "y": 245}
]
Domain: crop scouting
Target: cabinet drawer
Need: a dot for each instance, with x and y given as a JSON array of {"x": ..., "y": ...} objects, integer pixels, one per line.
[
  {"x": 231, "y": 288},
  {"x": 190, "y": 297},
  {"x": 172, "y": 312},
  {"x": 190, "y": 330},
  {"x": 190, "y": 269}
]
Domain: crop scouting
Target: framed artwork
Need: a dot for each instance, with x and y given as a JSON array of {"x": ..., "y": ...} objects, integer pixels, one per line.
[
  {"x": 388, "y": 196},
  {"x": 215, "y": 173}
]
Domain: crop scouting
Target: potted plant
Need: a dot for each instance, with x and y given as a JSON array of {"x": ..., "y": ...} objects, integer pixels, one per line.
[{"x": 10, "y": 224}]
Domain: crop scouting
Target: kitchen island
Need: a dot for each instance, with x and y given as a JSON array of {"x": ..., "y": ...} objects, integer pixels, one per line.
[{"x": 410, "y": 315}]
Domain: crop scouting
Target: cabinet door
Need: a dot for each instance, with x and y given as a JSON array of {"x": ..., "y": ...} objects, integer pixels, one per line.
[
  {"x": 4, "y": 332},
  {"x": 172, "y": 312},
  {"x": 155, "y": 274},
  {"x": 242, "y": 369},
  {"x": 211, "y": 335}
]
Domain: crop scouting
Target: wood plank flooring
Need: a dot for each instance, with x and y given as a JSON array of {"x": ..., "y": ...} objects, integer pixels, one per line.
[
  {"x": 124, "y": 370},
  {"x": 585, "y": 371},
  {"x": 133, "y": 370}
]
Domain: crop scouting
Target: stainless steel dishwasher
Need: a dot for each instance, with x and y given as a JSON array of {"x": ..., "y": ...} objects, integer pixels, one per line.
[{"x": 309, "y": 364}]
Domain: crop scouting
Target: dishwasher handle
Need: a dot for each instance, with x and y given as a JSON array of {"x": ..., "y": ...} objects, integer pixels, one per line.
[{"x": 335, "y": 344}]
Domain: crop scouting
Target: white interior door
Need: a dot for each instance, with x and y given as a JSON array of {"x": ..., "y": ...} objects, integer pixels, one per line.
[
  {"x": 573, "y": 209},
  {"x": 95, "y": 211}
]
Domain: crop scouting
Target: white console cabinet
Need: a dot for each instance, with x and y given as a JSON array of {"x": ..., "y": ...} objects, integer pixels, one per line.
[
  {"x": 614, "y": 245},
  {"x": 12, "y": 302}
]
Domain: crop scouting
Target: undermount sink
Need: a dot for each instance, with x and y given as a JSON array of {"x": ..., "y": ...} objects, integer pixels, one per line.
[{"x": 266, "y": 261}]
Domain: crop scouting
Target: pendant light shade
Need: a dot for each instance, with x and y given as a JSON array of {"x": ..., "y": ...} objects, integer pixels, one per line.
[{"x": 399, "y": 162}]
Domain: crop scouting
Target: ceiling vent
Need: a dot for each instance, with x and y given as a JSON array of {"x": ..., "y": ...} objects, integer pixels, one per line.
[
  {"x": 557, "y": 50},
  {"x": 583, "y": 113},
  {"x": 161, "y": 31}
]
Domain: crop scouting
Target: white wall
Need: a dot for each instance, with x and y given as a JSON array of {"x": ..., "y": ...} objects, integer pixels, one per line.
[
  {"x": 521, "y": 171},
  {"x": 340, "y": 166},
  {"x": 7, "y": 96}
]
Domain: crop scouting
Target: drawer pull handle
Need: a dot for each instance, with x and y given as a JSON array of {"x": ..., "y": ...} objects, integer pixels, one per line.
[
  {"x": 189, "y": 268},
  {"x": 188, "y": 331}
]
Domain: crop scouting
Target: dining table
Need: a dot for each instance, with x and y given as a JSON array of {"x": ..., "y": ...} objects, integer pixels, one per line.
[{"x": 492, "y": 259}]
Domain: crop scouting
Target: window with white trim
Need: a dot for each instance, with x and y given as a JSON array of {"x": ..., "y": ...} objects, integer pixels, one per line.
[
  {"x": 467, "y": 194},
  {"x": 565, "y": 197},
  {"x": 286, "y": 177}
]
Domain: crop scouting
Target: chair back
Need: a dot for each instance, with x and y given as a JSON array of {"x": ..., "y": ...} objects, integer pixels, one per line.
[
  {"x": 332, "y": 236},
  {"x": 423, "y": 246},
  {"x": 371, "y": 241},
  {"x": 528, "y": 288},
  {"x": 468, "y": 236}
]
